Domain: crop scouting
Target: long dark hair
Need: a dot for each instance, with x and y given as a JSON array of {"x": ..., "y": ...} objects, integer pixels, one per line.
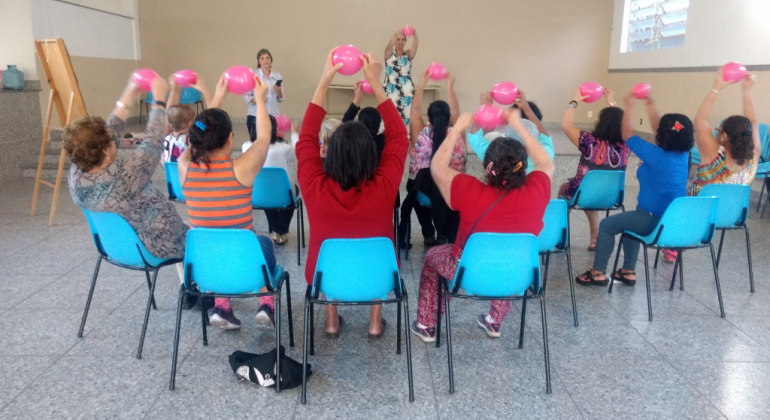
[
  {"x": 438, "y": 115},
  {"x": 351, "y": 158},
  {"x": 739, "y": 133},
  {"x": 210, "y": 131},
  {"x": 371, "y": 119},
  {"x": 608, "y": 126}
]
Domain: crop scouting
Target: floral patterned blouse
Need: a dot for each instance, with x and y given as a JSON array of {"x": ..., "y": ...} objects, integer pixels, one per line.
[
  {"x": 420, "y": 154},
  {"x": 125, "y": 187},
  {"x": 597, "y": 154},
  {"x": 716, "y": 172}
]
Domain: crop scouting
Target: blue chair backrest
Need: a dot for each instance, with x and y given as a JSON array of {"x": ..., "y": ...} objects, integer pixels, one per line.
[
  {"x": 688, "y": 221},
  {"x": 423, "y": 199},
  {"x": 499, "y": 264},
  {"x": 148, "y": 99},
  {"x": 189, "y": 96},
  {"x": 226, "y": 261},
  {"x": 601, "y": 189},
  {"x": 733, "y": 203},
  {"x": 764, "y": 137},
  {"x": 116, "y": 239},
  {"x": 356, "y": 269},
  {"x": 272, "y": 189},
  {"x": 554, "y": 233},
  {"x": 172, "y": 181}
]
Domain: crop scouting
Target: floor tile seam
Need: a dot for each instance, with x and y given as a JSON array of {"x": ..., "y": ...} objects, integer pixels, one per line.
[
  {"x": 747, "y": 334},
  {"x": 681, "y": 375},
  {"x": 424, "y": 347},
  {"x": 26, "y": 248},
  {"x": 555, "y": 372}
]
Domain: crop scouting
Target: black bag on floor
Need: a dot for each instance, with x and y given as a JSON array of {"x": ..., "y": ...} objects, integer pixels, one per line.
[{"x": 260, "y": 369}]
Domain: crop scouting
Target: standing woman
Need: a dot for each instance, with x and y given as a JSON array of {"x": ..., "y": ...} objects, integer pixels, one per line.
[
  {"x": 398, "y": 73},
  {"x": 275, "y": 96}
]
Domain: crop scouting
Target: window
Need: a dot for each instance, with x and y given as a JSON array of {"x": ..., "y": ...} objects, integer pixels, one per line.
[{"x": 654, "y": 24}]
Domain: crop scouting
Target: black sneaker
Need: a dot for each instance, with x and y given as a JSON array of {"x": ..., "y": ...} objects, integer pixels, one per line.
[
  {"x": 224, "y": 320},
  {"x": 208, "y": 303},
  {"x": 427, "y": 335},
  {"x": 265, "y": 318},
  {"x": 428, "y": 242},
  {"x": 440, "y": 240},
  {"x": 189, "y": 302}
]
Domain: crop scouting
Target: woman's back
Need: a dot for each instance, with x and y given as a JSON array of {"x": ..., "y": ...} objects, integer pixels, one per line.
[
  {"x": 215, "y": 198},
  {"x": 596, "y": 153},
  {"x": 717, "y": 172}
]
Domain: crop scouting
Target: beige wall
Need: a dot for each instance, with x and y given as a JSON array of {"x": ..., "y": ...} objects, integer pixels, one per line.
[
  {"x": 547, "y": 47},
  {"x": 16, "y": 42}
]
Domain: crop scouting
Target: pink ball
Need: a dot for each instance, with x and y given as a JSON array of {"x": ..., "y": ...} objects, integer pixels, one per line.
[
  {"x": 733, "y": 72},
  {"x": 143, "y": 78},
  {"x": 594, "y": 91},
  {"x": 488, "y": 117},
  {"x": 437, "y": 71},
  {"x": 408, "y": 30},
  {"x": 641, "y": 91},
  {"x": 185, "y": 78},
  {"x": 505, "y": 93},
  {"x": 240, "y": 79},
  {"x": 350, "y": 57},
  {"x": 283, "y": 123},
  {"x": 367, "y": 88}
]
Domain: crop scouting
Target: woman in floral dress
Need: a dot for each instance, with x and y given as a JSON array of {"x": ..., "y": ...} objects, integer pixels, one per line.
[{"x": 398, "y": 73}]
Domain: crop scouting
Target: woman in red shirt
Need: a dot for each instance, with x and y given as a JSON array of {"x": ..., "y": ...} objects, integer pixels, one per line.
[
  {"x": 350, "y": 195},
  {"x": 510, "y": 201}
]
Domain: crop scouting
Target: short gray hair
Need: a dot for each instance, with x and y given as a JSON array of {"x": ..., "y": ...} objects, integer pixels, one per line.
[{"x": 529, "y": 126}]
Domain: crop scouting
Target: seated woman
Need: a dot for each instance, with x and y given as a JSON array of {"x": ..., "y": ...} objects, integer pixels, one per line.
[
  {"x": 479, "y": 143},
  {"x": 662, "y": 178},
  {"x": 350, "y": 195},
  {"x": 279, "y": 154},
  {"x": 426, "y": 140},
  {"x": 603, "y": 148},
  {"x": 328, "y": 128},
  {"x": 368, "y": 116},
  {"x": 218, "y": 189},
  {"x": 510, "y": 201},
  {"x": 101, "y": 181}
]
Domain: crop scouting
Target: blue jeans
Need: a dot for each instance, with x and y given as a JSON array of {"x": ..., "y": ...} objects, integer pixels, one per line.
[
  {"x": 640, "y": 222},
  {"x": 268, "y": 250}
]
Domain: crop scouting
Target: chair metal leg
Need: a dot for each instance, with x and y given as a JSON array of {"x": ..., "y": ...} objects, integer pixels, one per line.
[
  {"x": 277, "y": 376},
  {"x": 615, "y": 267},
  {"x": 439, "y": 298},
  {"x": 545, "y": 270},
  {"x": 748, "y": 254},
  {"x": 523, "y": 320},
  {"x": 572, "y": 286},
  {"x": 716, "y": 279},
  {"x": 147, "y": 314},
  {"x": 302, "y": 219},
  {"x": 608, "y": 214},
  {"x": 172, "y": 382},
  {"x": 398, "y": 329},
  {"x": 545, "y": 346},
  {"x": 657, "y": 255},
  {"x": 303, "y": 394},
  {"x": 312, "y": 329},
  {"x": 288, "y": 310},
  {"x": 449, "y": 344},
  {"x": 647, "y": 280},
  {"x": 204, "y": 321},
  {"x": 299, "y": 216},
  {"x": 147, "y": 274},
  {"x": 90, "y": 295},
  {"x": 673, "y": 276},
  {"x": 721, "y": 240},
  {"x": 681, "y": 270},
  {"x": 408, "y": 240},
  {"x": 762, "y": 192},
  {"x": 405, "y": 302}
]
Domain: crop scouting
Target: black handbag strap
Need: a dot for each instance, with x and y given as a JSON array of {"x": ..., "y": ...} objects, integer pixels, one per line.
[{"x": 462, "y": 244}]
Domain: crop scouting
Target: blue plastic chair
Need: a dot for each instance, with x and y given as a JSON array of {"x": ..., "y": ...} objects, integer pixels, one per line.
[
  {"x": 600, "y": 190},
  {"x": 496, "y": 266},
  {"x": 191, "y": 96},
  {"x": 554, "y": 239},
  {"x": 688, "y": 223},
  {"x": 421, "y": 200},
  {"x": 356, "y": 272},
  {"x": 763, "y": 168},
  {"x": 272, "y": 191},
  {"x": 228, "y": 263},
  {"x": 118, "y": 244},
  {"x": 173, "y": 186}
]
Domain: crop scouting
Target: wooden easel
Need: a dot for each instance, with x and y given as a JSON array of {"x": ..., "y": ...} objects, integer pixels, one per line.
[{"x": 63, "y": 83}]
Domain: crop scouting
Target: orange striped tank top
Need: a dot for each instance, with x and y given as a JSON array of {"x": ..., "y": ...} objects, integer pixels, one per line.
[{"x": 215, "y": 198}]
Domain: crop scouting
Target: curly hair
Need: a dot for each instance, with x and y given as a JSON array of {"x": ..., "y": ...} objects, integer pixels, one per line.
[
  {"x": 84, "y": 140},
  {"x": 508, "y": 159},
  {"x": 739, "y": 133},
  {"x": 218, "y": 128},
  {"x": 672, "y": 140},
  {"x": 608, "y": 126}
]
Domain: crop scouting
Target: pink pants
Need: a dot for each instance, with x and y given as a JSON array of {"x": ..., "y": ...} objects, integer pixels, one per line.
[{"x": 440, "y": 262}]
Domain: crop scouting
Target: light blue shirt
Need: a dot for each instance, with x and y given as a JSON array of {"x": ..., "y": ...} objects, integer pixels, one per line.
[
  {"x": 271, "y": 98},
  {"x": 479, "y": 145}
]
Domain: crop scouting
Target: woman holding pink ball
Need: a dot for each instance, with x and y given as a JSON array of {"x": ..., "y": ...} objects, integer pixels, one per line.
[
  {"x": 274, "y": 93},
  {"x": 398, "y": 82}
]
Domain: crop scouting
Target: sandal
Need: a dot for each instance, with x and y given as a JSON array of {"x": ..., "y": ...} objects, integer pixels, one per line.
[
  {"x": 339, "y": 328},
  {"x": 587, "y": 279},
  {"x": 382, "y": 330},
  {"x": 621, "y": 276}
]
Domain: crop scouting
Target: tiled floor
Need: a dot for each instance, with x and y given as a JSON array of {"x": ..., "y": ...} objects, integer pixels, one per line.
[{"x": 687, "y": 363}]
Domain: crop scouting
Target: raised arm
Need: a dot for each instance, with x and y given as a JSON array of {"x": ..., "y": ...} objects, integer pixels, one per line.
[
  {"x": 442, "y": 173},
  {"x": 416, "y": 124},
  {"x": 247, "y": 166},
  {"x": 572, "y": 132},
  {"x": 652, "y": 113},
  {"x": 411, "y": 52},
  {"x": 454, "y": 106},
  {"x": 708, "y": 147},
  {"x": 535, "y": 150},
  {"x": 750, "y": 113},
  {"x": 626, "y": 130},
  {"x": 220, "y": 92},
  {"x": 355, "y": 106},
  {"x": 141, "y": 164},
  {"x": 175, "y": 92},
  {"x": 610, "y": 97},
  {"x": 523, "y": 104},
  {"x": 200, "y": 86},
  {"x": 391, "y": 44}
]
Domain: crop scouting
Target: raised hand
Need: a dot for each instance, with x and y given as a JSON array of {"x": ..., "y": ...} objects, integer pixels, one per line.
[
  {"x": 579, "y": 97},
  {"x": 372, "y": 68}
]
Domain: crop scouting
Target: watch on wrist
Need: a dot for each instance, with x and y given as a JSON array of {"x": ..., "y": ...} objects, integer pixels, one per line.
[{"x": 159, "y": 103}]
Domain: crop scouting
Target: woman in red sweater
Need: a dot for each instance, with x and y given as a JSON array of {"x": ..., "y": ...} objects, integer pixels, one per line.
[{"x": 350, "y": 195}]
